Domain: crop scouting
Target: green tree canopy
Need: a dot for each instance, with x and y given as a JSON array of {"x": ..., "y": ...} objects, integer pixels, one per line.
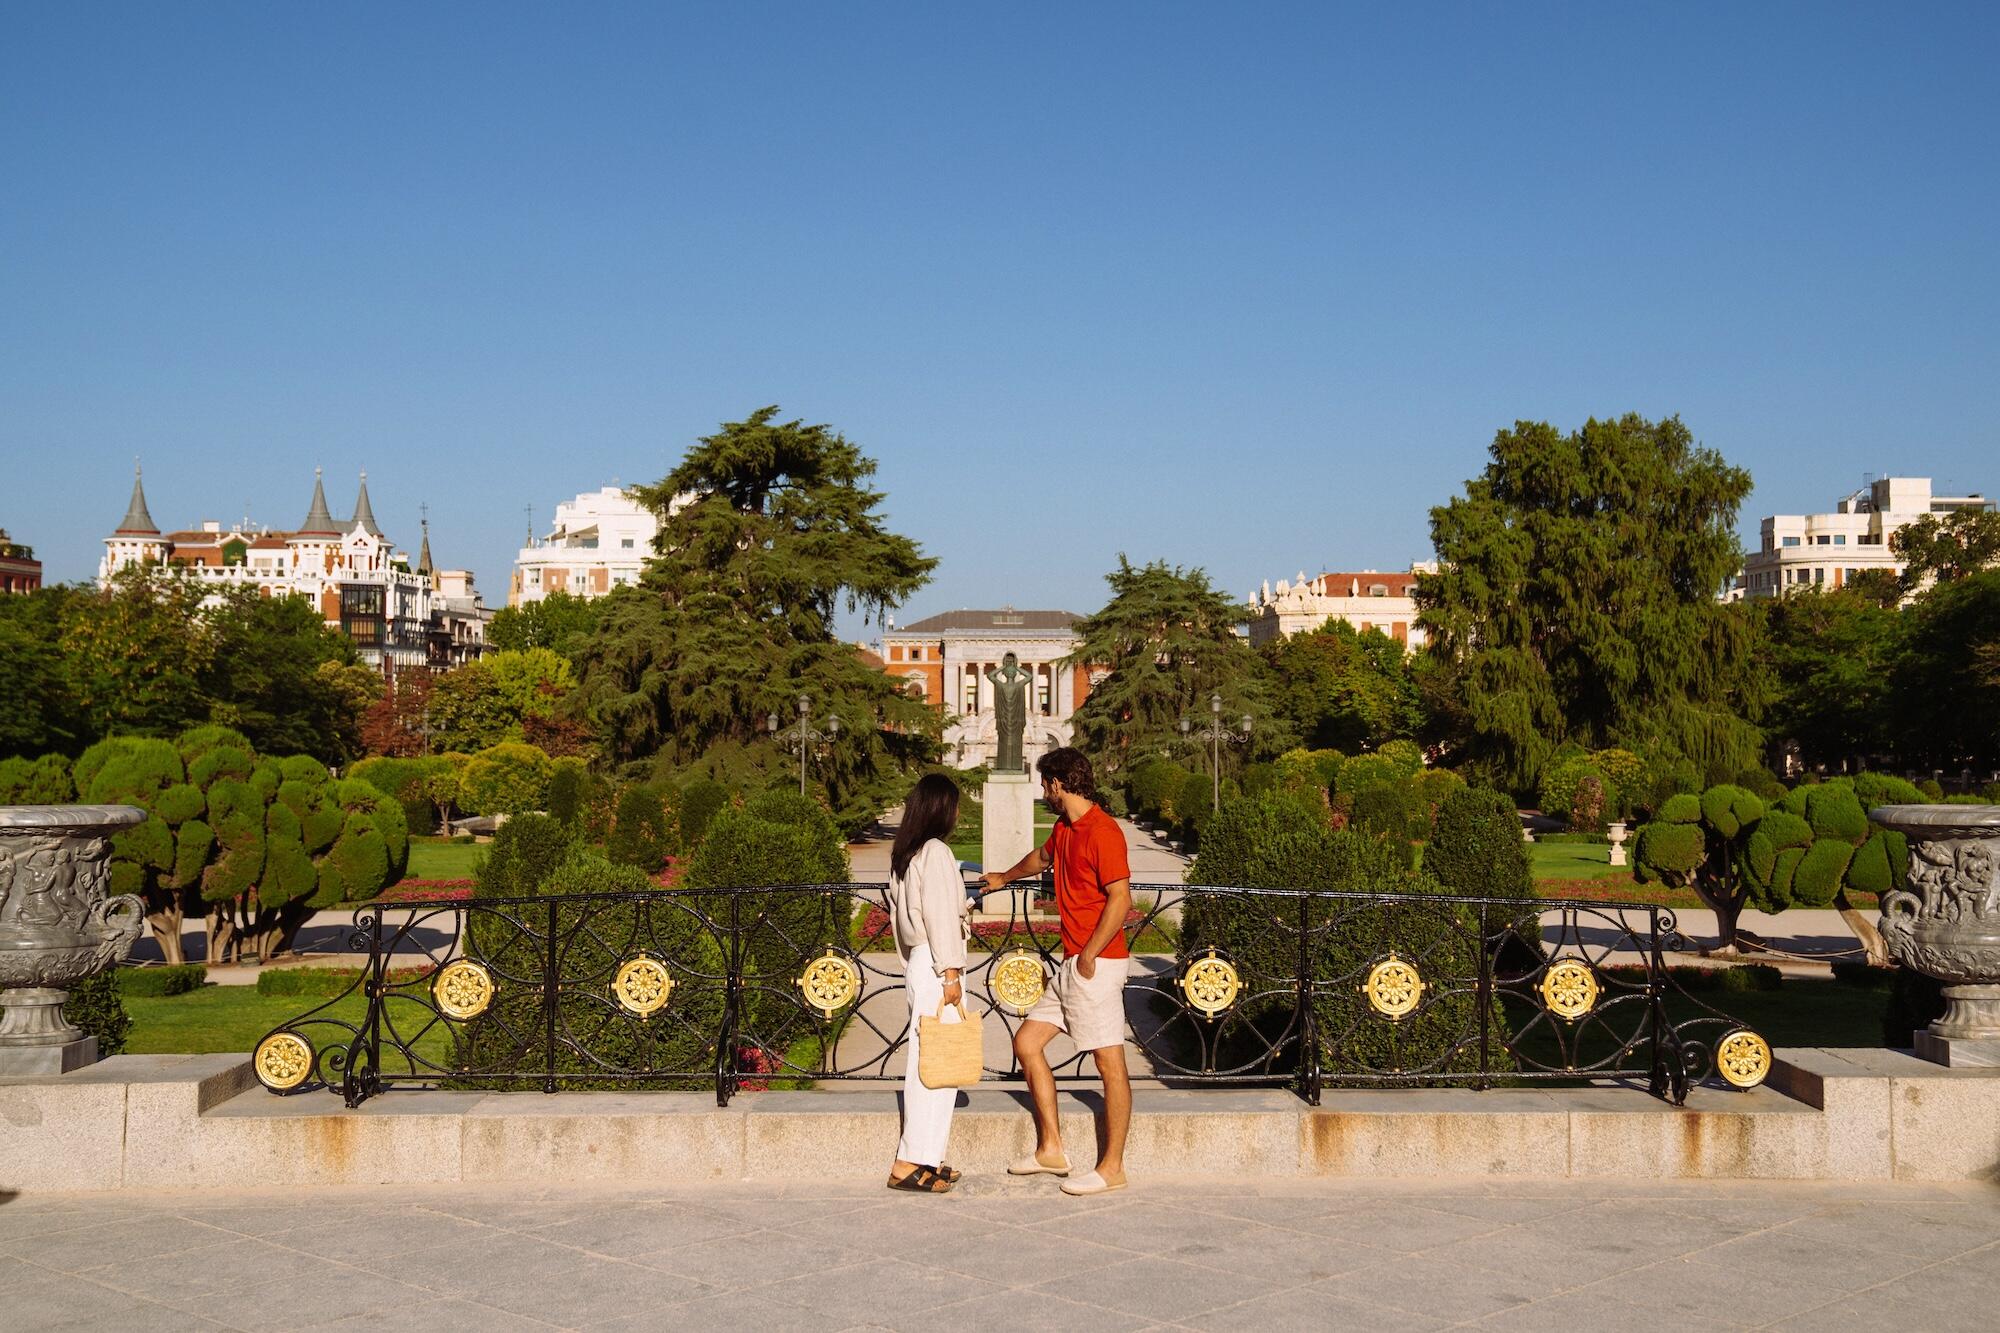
[
  {"x": 156, "y": 652},
  {"x": 1577, "y": 591},
  {"x": 1340, "y": 689},
  {"x": 559, "y": 622},
  {"x": 1830, "y": 656},
  {"x": 1953, "y": 547},
  {"x": 1947, "y": 676},
  {"x": 767, "y": 529},
  {"x": 1170, "y": 642}
]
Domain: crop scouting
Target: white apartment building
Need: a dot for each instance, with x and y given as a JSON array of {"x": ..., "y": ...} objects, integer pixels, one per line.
[
  {"x": 599, "y": 541},
  {"x": 1367, "y": 600},
  {"x": 1830, "y": 549}
]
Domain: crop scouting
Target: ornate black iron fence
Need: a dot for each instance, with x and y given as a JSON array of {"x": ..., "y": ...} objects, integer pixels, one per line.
[{"x": 748, "y": 988}]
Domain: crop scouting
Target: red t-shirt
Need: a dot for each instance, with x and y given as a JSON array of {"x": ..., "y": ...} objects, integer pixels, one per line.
[{"x": 1087, "y": 855}]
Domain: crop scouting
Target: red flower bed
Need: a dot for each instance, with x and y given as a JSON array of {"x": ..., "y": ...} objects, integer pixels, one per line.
[{"x": 417, "y": 890}]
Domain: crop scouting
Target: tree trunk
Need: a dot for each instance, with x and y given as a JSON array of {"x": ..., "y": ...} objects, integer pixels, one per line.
[
  {"x": 221, "y": 934},
  {"x": 1726, "y": 901},
  {"x": 1864, "y": 930},
  {"x": 165, "y": 920}
]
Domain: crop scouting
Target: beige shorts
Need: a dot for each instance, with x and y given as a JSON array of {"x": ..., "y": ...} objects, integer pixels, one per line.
[{"x": 1091, "y": 1010}]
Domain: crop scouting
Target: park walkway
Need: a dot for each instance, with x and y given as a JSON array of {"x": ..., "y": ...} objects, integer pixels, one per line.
[{"x": 1010, "y": 1254}]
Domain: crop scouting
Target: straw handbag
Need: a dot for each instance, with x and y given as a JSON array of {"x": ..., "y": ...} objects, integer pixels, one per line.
[{"x": 949, "y": 1055}]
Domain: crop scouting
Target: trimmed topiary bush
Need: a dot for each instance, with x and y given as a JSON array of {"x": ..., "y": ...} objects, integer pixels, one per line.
[
  {"x": 161, "y": 981},
  {"x": 43, "y": 781},
  {"x": 1476, "y": 847},
  {"x": 701, "y": 801},
  {"x": 97, "y": 1005},
  {"x": 642, "y": 830},
  {"x": 1280, "y": 843}
]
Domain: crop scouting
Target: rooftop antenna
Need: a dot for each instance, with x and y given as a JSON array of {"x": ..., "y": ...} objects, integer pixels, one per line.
[{"x": 529, "y": 510}]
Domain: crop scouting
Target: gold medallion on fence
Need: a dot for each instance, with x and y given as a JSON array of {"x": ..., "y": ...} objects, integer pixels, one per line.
[
  {"x": 1743, "y": 1058},
  {"x": 283, "y": 1061},
  {"x": 1018, "y": 980},
  {"x": 830, "y": 982},
  {"x": 463, "y": 989},
  {"x": 1569, "y": 988},
  {"x": 1393, "y": 988},
  {"x": 643, "y": 985},
  {"x": 1210, "y": 984}
]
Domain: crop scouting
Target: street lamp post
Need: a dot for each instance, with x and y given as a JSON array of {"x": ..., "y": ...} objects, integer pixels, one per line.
[
  {"x": 1215, "y": 734},
  {"x": 803, "y": 735}
]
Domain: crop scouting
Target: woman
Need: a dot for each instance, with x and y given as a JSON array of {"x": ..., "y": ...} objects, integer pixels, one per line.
[{"x": 932, "y": 920}]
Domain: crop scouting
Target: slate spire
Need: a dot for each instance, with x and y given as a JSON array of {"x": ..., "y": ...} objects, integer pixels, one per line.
[
  {"x": 424, "y": 554},
  {"x": 364, "y": 513},
  {"x": 138, "y": 521},
  {"x": 319, "y": 522}
]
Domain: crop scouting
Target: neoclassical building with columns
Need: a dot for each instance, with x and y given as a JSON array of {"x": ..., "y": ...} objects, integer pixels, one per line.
[{"x": 944, "y": 660}]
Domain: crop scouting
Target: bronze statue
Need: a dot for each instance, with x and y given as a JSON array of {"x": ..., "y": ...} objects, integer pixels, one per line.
[{"x": 1010, "y": 712}]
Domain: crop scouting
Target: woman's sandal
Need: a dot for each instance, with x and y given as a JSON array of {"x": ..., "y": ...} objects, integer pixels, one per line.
[{"x": 922, "y": 1180}]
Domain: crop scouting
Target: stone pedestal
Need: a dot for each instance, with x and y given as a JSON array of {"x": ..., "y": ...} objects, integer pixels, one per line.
[
  {"x": 41, "y": 1061},
  {"x": 1008, "y": 802},
  {"x": 1959, "y": 1052},
  {"x": 1617, "y": 837}
]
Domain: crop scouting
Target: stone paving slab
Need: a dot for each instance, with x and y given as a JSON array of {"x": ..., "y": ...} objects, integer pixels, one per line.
[{"x": 1003, "y": 1253}]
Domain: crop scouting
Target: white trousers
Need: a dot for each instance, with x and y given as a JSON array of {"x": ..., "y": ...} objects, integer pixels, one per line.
[{"x": 926, "y": 1111}]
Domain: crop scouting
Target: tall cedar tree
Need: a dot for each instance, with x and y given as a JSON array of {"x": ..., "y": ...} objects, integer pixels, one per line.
[
  {"x": 1577, "y": 589},
  {"x": 1170, "y": 641},
  {"x": 733, "y": 618},
  {"x": 1947, "y": 678}
]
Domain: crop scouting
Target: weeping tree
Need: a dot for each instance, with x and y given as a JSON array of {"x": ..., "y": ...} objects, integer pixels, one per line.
[
  {"x": 767, "y": 529},
  {"x": 1576, "y": 599}
]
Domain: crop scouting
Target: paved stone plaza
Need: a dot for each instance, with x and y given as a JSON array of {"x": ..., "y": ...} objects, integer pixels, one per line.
[{"x": 1010, "y": 1254}]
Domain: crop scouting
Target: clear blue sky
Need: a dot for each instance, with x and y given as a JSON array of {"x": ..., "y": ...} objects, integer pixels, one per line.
[{"x": 1242, "y": 287}]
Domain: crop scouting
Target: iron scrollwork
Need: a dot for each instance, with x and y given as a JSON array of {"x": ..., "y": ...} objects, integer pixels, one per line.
[{"x": 738, "y": 989}]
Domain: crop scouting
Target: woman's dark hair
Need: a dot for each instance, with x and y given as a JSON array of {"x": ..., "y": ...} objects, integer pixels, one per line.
[
  {"x": 1069, "y": 767},
  {"x": 931, "y": 811}
]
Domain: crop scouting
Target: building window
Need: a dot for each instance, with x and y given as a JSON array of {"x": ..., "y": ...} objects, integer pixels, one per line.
[
  {"x": 1840, "y": 539},
  {"x": 1791, "y": 541},
  {"x": 624, "y": 543}
]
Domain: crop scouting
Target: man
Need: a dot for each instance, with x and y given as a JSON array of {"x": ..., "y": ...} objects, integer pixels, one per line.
[{"x": 1087, "y": 999}]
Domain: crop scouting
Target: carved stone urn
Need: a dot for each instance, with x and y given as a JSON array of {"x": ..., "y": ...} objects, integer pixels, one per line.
[
  {"x": 1946, "y": 923},
  {"x": 57, "y": 926}
]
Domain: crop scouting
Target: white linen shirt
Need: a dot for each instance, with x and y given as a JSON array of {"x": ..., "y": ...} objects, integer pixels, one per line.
[{"x": 927, "y": 905}]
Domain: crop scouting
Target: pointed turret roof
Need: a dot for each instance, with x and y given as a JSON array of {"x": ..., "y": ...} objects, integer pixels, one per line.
[
  {"x": 424, "y": 553},
  {"x": 319, "y": 522},
  {"x": 138, "y": 521},
  {"x": 364, "y": 513}
]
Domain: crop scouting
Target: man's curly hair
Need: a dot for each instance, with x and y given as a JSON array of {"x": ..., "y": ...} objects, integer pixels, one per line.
[{"x": 1069, "y": 767}]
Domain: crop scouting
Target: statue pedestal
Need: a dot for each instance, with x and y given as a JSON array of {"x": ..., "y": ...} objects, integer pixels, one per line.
[{"x": 1008, "y": 805}]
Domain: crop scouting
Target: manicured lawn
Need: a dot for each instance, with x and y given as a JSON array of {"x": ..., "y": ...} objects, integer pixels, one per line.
[
  {"x": 234, "y": 1018},
  {"x": 435, "y": 858},
  {"x": 1803, "y": 1012},
  {"x": 1575, "y": 860},
  {"x": 218, "y": 1018}
]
